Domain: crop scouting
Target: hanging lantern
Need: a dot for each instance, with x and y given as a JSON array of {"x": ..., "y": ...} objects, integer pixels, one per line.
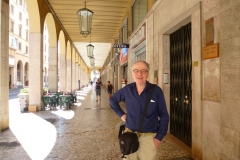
[
  {"x": 85, "y": 20},
  {"x": 92, "y": 60},
  {"x": 90, "y": 48}
]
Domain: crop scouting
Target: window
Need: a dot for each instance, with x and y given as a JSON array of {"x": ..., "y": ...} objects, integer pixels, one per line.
[
  {"x": 26, "y": 35},
  {"x": 26, "y": 49},
  {"x": 26, "y": 22},
  {"x": 20, "y": 2},
  {"x": 20, "y": 46},
  {"x": 20, "y": 31},
  {"x": 45, "y": 48},
  {"x": 139, "y": 10},
  {"x": 125, "y": 32},
  {"x": 12, "y": 26},
  {"x": 20, "y": 16},
  {"x": 12, "y": 9}
]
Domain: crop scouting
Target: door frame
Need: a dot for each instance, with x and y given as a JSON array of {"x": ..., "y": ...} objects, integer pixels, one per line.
[{"x": 192, "y": 15}]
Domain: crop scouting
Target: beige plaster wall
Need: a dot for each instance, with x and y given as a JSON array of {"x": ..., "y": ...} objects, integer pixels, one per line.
[
  {"x": 150, "y": 57},
  {"x": 221, "y": 82}
]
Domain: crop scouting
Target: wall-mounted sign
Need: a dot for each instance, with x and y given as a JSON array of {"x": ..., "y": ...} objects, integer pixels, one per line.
[
  {"x": 121, "y": 46},
  {"x": 210, "y": 52},
  {"x": 138, "y": 37},
  {"x": 11, "y": 61},
  {"x": 209, "y": 26},
  {"x": 123, "y": 55},
  {"x": 165, "y": 78}
]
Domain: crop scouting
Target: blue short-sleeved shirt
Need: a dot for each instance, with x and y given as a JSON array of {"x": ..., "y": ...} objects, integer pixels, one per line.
[{"x": 156, "y": 119}]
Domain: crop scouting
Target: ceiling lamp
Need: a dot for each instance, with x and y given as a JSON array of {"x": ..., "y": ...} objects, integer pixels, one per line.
[
  {"x": 90, "y": 48},
  {"x": 85, "y": 20},
  {"x": 92, "y": 60}
]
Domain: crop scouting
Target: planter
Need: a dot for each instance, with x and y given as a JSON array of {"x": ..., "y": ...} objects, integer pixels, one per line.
[{"x": 23, "y": 100}]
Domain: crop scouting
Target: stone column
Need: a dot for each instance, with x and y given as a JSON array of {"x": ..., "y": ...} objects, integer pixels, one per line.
[
  {"x": 62, "y": 72},
  {"x": 53, "y": 69},
  {"x": 197, "y": 111},
  {"x": 4, "y": 69},
  {"x": 69, "y": 75},
  {"x": 79, "y": 73},
  {"x": 35, "y": 69},
  {"x": 73, "y": 76},
  {"x": 76, "y": 77}
]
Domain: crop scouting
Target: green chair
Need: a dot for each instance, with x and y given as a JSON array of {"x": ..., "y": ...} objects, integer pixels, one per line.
[
  {"x": 71, "y": 98},
  {"x": 64, "y": 100},
  {"x": 46, "y": 102},
  {"x": 53, "y": 101}
]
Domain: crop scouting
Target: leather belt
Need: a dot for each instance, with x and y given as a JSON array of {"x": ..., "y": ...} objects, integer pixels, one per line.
[{"x": 138, "y": 133}]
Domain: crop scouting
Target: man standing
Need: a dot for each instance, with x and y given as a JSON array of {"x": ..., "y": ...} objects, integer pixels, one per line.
[
  {"x": 109, "y": 89},
  {"x": 156, "y": 120},
  {"x": 98, "y": 89}
]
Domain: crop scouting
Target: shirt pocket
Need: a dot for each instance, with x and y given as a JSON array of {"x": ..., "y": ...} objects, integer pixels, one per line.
[{"x": 152, "y": 108}]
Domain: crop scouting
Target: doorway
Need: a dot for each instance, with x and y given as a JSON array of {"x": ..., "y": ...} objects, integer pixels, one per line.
[{"x": 181, "y": 84}]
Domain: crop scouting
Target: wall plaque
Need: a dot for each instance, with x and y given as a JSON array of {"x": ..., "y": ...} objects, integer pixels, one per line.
[
  {"x": 211, "y": 51},
  {"x": 209, "y": 25}
]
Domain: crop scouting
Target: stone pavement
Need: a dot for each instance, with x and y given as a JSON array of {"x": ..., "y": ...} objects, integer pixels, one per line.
[{"x": 86, "y": 132}]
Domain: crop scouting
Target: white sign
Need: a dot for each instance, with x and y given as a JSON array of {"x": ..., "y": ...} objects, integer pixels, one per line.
[
  {"x": 11, "y": 61},
  {"x": 165, "y": 78}
]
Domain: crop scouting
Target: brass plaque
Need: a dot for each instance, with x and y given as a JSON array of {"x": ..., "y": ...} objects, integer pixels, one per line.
[
  {"x": 209, "y": 24},
  {"x": 195, "y": 63},
  {"x": 211, "y": 51}
]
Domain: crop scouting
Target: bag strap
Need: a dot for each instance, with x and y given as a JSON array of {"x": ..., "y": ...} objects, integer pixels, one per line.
[
  {"x": 121, "y": 129},
  {"x": 146, "y": 106}
]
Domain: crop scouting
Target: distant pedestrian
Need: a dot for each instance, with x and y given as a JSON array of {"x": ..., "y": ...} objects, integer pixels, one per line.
[
  {"x": 109, "y": 89},
  {"x": 98, "y": 89}
]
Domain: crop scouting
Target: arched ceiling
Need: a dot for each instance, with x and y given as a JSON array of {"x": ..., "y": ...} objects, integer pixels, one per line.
[{"x": 107, "y": 20}]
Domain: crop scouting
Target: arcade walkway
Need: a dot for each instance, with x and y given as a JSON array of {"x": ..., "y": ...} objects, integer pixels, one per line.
[{"x": 87, "y": 132}]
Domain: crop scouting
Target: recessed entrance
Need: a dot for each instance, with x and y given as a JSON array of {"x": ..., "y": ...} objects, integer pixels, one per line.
[{"x": 181, "y": 84}]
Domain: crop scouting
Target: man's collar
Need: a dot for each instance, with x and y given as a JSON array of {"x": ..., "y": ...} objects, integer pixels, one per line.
[{"x": 133, "y": 85}]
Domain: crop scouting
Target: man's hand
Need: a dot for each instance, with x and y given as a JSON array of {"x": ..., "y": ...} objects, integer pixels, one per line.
[
  {"x": 123, "y": 118},
  {"x": 156, "y": 142}
]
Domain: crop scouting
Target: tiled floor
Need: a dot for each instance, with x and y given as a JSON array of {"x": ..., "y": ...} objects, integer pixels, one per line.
[{"x": 86, "y": 132}]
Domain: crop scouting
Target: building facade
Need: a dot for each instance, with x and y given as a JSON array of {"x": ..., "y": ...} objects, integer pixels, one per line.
[
  {"x": 18, "y": 44},
  {"x": 192, "y": 48}
]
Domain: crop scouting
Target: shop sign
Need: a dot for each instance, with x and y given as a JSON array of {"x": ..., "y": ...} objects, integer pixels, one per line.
[
  {"x": 138, "y": 37},
  {"x": 121, "y": 46}
]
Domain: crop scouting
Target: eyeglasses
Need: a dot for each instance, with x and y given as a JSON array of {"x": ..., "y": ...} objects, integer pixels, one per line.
[{"x": 136, "y": 71}]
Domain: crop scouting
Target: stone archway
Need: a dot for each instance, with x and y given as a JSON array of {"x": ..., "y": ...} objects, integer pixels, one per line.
[{"x": 19, "y": 73}]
